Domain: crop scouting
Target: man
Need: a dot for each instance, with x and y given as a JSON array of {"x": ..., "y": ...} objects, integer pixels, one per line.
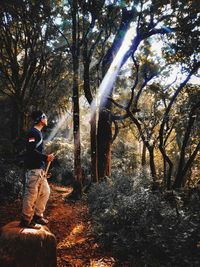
[{"x": 37, "y": 190}]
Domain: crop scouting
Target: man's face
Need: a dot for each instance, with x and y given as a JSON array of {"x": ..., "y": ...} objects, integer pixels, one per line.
[{"x": 44, "y": 120}]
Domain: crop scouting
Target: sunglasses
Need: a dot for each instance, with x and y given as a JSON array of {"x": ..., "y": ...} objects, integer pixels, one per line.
[{"x": 44, "y": 116}]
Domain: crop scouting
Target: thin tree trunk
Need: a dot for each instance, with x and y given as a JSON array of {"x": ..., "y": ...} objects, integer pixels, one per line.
[
  {"x": 77, "y": 146},
  {"x": 76, "y": 114},
  {"x": 88, "y": 95},
  {"x": 167, "y": 160},
  {"x": 190, "y": 161},
  {"x": 152, "y": 162},
  {"x": 144, "y": 149},
  {"x": 93, "y": 137},
  {"x": 164, "y": 171},
  {"x": 104, "y": 139}
]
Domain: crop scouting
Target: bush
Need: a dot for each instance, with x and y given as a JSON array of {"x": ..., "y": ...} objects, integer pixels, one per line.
[
  {"x": 63, "y": 165},
  {"x": 11, "y": 181},
  {"x": 124, "y": 157},
  {"x": 63, "y": 162},
  {"x": 135, "y": 221}
]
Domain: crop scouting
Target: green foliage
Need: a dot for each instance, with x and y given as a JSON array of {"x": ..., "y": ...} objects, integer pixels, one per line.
[
  {"x": 31, "y": 68},
  {"x": 11, "y": 181},
  {"x": 134, "y": 221},
  {"x": 63, "y": 167},
  {"x": 124, "y": 156},
  {"x": 36, "y": 67},
  {"x": 63, "y": 152}
]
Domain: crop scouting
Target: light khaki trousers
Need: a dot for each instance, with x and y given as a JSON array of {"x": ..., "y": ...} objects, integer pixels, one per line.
[{"x": 36, "y": 194}]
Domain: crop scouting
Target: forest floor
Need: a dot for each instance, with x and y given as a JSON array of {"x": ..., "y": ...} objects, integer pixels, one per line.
[{"x": 71, "y": 224}]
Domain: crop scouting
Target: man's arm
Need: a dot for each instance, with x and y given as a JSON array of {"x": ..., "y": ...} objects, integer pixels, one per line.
[{"x": 31, "y": 143}]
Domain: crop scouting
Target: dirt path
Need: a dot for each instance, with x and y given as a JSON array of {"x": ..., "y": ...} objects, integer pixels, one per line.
[
  {"x": 71, "y": 225},
  {"x": 70, "y": 222}
]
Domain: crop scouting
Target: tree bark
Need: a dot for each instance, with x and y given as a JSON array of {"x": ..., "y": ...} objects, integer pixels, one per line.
[
  {"x": 93, "y": 138},
  {"x": 88, "y": 95},
  {"x": 167, "y": 160},
  {"x": 190, "y": 161},
  {"x": 76, "y": 114},
  {"x": 144, "y": 149},
  {"x": 104, "y": 140},
  {"x": 152, "y": 162}
]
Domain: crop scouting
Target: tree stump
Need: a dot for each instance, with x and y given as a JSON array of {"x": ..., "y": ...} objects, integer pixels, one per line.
[{"x": 24, "y": 247}]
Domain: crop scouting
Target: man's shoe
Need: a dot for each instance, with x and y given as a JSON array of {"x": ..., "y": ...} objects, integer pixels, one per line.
[
  {"x": 40, "y": 220},
  {"x": 26, "y": 224}
]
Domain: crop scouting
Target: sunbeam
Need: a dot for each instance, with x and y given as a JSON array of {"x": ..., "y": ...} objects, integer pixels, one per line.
[{"x": 111, "y": 75}]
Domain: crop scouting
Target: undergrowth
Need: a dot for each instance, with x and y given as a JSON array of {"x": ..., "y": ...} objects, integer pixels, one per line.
[
  {"x": 160, "y": 228},
  {"x": 11, "y": 181}
]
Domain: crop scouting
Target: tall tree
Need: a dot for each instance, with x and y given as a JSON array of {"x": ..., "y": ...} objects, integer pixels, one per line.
[
  {"x": 76, "y": 113},
  {"x": 104, "y": 135},
  {"x": 25, "y": 55},
  {"x": 91, "y": 40},
  {"x": 150, "y": 21}
]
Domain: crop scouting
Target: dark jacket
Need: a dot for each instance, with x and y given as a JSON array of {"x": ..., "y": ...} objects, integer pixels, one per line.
[{"x": 35, "y": 159}]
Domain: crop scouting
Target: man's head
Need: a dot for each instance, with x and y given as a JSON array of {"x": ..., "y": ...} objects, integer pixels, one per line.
[{"x": 39, "y": 117}]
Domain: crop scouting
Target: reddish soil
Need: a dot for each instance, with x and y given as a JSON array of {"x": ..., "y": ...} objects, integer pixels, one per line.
[{"x": 71, "y": 224}]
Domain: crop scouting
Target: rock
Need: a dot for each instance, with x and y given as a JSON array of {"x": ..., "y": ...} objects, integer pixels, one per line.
[{"x": 24, "y": 247}]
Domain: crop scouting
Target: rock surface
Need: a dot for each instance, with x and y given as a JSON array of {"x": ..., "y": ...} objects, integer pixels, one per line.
[{"x": 24, "y": 247}]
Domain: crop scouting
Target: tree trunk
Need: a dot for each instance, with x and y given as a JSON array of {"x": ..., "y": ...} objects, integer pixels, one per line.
[
  {"x": 152, "y": 163},
  {"x": 167, "y": 160},
  {"x": 104, "y": 133},
  {"x": 104, "y": 139},
  {"x": 190, "y": 161},
  {"x": 77, "y": 145},
  {"x": 180, "y": 173},
  {"x": 88, "y": 95},
  {"x": 93, "y": 137},
  {"x": 144, "y": 149},
  {"x": 76, "y": 114},
  {"x": 164, "y": 171}
]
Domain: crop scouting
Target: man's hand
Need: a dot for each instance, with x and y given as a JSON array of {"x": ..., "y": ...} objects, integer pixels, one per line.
[{"x": 50, "y": 157}]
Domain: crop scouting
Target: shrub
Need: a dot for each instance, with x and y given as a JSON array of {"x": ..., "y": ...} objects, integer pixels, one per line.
[
  {"x": 63, "y": 165},
  {"x": 11, "y": 181},
  {"x": 135, "y": 221}
]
